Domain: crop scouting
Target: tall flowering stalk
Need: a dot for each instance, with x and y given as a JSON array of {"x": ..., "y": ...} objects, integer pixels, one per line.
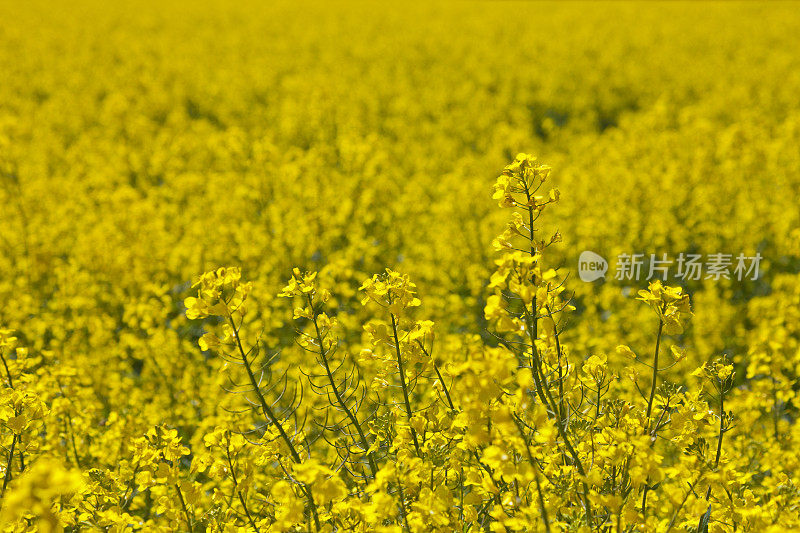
[
  {"x": 397, "y": 294},
  {"x": 303, "y": 286},
  {"x": 221, "y": 293},
  {"x": 525, "y": 293}
]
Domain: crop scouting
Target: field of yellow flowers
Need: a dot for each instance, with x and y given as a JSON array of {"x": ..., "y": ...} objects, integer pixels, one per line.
[{"x": 293, "y": 267}]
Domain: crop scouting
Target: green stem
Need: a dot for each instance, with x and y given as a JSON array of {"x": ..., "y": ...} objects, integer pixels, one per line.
[
  {"x": 185, "y": 509},
  {"x": 534, "y": 467},
  {"x": 650, "y": 403},
  {"x": 7, "y": 476},
  {"x": 402, "y": 373},
  {"x": 721, "y": 434},
  {"x": 439, "y": 375},
  {"x": 339, "y": 399},
  {"x": 8, "y": 372},
  {"x": 272, "y": 418},
  {"x": 403, "y": 505},
  {"x": 655, "y": 369},
  {"x": 236, "y": 486}
]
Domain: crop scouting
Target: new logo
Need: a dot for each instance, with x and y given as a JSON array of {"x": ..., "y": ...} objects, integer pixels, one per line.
[{"x": 591, "y": 266}]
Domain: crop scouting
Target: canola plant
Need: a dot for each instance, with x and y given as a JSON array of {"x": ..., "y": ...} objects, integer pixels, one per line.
[{"x": 293, "y": 267}]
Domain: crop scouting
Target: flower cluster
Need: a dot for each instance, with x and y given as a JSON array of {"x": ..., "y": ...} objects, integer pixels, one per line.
[
  {"x": 219, "y": 293},
  {"x": 671, "y": 305}
]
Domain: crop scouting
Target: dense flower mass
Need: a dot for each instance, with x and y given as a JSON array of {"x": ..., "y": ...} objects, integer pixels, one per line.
[{"x": 272, "y": 267}]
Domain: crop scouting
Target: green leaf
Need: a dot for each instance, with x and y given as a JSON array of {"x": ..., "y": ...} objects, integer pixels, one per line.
[{"x": 703, "y": 526}]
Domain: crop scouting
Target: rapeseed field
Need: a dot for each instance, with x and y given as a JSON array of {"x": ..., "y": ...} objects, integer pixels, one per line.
[{"x": 332, "y": 267}]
